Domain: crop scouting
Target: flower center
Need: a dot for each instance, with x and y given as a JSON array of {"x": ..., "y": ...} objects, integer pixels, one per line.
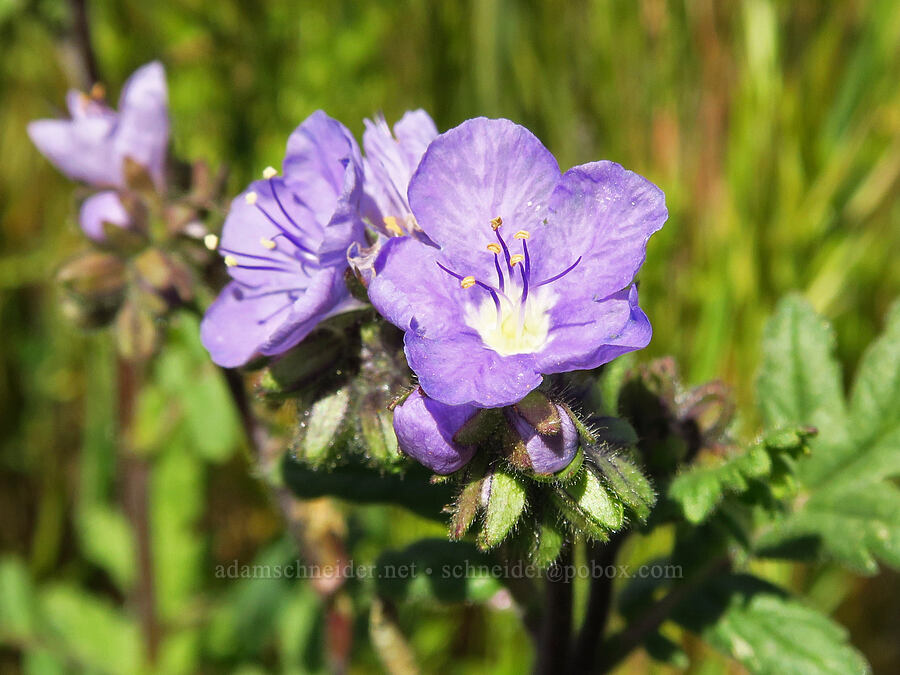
[{"x": 514, "y": 316}]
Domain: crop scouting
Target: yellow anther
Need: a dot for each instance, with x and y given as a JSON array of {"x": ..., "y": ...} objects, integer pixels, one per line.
[
  {"x": 522, "y": 234},
  {"x": 98, "y": 92},
  {"x": 392, "y": 225},
  {"x": 516, "y": 259},
  {"x": 467, "y": 282},
  {"x": 496, "y": 222},
  {"x": 211, "y": 242},
  {"x": 251, "y": 198},
  {"x": 494, "y": 248},
  {"x": 267, "y": 243},
  {"x": 270, "y": 172},
  {"x": 231, "y": 261}
]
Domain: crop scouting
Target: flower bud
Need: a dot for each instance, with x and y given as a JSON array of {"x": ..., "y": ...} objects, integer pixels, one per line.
[
  {"x": 547, "y": 431},
  {"x": 425, "y": 430}
]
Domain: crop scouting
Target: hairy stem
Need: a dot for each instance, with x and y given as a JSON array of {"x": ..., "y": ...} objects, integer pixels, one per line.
[
  {"x": 556, "y": 628},
  {"x": 135, "y": 501},
  {"x": 584, "y": 651}
]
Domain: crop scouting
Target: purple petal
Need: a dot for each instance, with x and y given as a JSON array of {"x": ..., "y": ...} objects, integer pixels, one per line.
[
  {"x": 588, "y": 335},
  {"x": 103, "y": 207},
  {"x": 81, "y": 149},
  {"x": 325, "y": 296},
  {"x": 480, "y": 170},
  {"x": 425, "y": 430},
  {"x": 605, "y": 214},
  {"x": 390, "y": 162},
  {"x": 234, "y": 328},
  {"x": 414, "y": 133},
  {"x": 143, "y": 130},
  {"x": 409, "y": 289},
  {"x": 461, "y": 370},
  {"x": 548, "y": 454},
  {"x": 324, "y": 166}
]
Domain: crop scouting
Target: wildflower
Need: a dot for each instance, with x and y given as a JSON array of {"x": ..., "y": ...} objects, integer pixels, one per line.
[
  {"x": 531, "y": 271},
  {"x": 95, "y": 143},
  {"x": 389, "y": 163},
  {"x": 284, "y": 242},
  {"x": 425, "y": 429}
]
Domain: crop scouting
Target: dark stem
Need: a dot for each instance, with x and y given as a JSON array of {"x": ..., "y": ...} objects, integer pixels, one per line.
[
  {"x": 600, "y": 556},
  {"x": 556, "y": 628},
  {"x": 619, "y": 646},
  {"x": 135, "y": 502},
  {"x": 82, "y": 34},
  {"x": 324, "y": 548}
]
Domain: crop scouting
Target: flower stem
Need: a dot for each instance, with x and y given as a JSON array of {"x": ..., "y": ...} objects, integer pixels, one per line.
[
  {"x": 556, "y": 628},
  {"x": 135, "y": 502},
  {"x": 584, "y": 652}
]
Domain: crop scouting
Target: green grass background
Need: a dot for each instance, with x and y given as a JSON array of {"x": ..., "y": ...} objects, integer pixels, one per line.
[{"x": 773, "y": 127}]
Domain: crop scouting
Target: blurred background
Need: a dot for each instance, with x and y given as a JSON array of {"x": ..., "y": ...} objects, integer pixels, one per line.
[{"x": 773, "y": 128}]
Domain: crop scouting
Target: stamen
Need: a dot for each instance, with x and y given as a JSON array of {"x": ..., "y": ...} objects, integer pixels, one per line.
[
  {"x": 495, "y": 249},
  {"x": 98, "y": 92},
  {"x": 231, "y": 261},
  {"x": 392, "y": 225},
  {"x": 251, "y": 198},
  {"x": 467, "y": 282},
  {"x": 267, "y": 243},
  {"x": 276, "y": 312},
  {"x": 449, "y": 271},
  {"x": 522, "y": 234},
  {"x": 500, "y": 239},
  {"x": 516, "y": 259},
  {"x": 561, "y": 274},
  {"x": 211, "y": 242},
  {"x": 269, "y": 172}
]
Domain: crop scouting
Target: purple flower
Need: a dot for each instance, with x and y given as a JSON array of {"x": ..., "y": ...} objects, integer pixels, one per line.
[
  {"x": 548, "y": 453},
  {"x": 425, "y": 430},
  {"x": 532, "y": 270},
  {"x": 389, "y": 163},
  {"x": 285, "y": 241},
  {"x": 93, "y": 144}
]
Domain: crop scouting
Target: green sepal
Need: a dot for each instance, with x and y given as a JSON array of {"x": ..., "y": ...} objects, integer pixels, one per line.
[
  {"x": 505, "y": 497},
  {"x": 627, "y": 481}
]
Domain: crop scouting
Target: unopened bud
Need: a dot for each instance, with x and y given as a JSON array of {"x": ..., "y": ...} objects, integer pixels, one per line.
[{"x": 425, "y": 429}]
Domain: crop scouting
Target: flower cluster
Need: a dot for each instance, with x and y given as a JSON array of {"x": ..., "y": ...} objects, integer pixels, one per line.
[
  {"x": 497, "y": 267},
  {"x": 101, "y": 146}
]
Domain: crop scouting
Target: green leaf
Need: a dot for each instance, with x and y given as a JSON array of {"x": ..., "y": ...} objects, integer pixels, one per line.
[
  {"x": 356, "y": 482},
  {"x": 766, "y": 630},
  {"x": 107, "y": 540},
  {"x": 848, "y": 507},
  {"x": 701, "y": 488},
  {"x": 435, "y": 570},
  {"x": 90, "y": 631},
  {"x": 17, "y": 610},
  {"x": 800, "y": 380}
]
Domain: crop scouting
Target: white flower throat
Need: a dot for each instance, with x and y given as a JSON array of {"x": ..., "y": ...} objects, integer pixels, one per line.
[{"x": 513, "y": 317}]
